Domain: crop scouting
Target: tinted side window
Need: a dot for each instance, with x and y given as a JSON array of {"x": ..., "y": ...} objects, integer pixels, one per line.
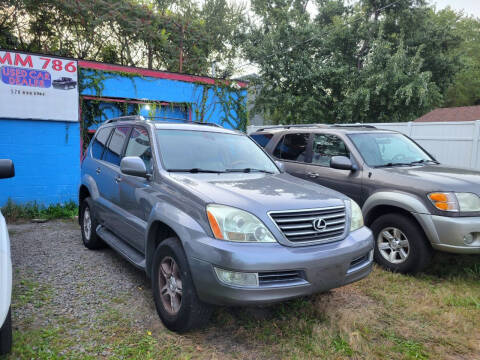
[
  {"x": 325, "y": 146},
  {"x": 292, "y": 147},
  {"x": 262, "y": 139},
  {"x": 113, "y": 151},
  {"x": 139, "y": 145},
  {"x": 99, "y": 142}
]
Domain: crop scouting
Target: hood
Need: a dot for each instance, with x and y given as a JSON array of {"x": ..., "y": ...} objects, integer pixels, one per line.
[
  {"x": 260, "y": 192},
  {"x": 433, "y": 178}
]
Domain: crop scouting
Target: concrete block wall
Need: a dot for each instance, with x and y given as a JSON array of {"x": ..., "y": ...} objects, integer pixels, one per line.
[{"x": 46, "y": 155}]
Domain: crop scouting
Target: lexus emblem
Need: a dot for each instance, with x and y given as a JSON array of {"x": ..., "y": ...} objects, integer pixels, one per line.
[{"x": 319, "y": 224}]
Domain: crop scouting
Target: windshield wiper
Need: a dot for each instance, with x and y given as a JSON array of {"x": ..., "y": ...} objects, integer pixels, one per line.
[
  {"x": 197, "y": 170},
  {"x": 390, "y": 164},
  {"x": 424, "y": 161},
  {"x": 248, "y": 170}
]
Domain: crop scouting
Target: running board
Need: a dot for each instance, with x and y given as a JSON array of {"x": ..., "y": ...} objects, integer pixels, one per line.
[{"x": 128, "y": 252}]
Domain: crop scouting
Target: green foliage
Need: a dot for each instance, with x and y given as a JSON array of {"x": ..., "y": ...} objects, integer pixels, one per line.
[
  {"x": 146, "y": 33},
  {"x": 365, "y": 61},
  {"x": 465, "y": 89},
  {"x": 227, "y": 95},
  {"x": 33, "y": 210}
]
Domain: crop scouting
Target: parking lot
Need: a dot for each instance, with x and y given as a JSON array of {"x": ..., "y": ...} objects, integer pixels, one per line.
[{"x": 74, "y": 303}]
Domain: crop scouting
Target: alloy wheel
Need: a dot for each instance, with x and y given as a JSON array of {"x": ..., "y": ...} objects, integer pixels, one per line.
[
  {"x": 170, "y": 285},
  {"x": 393, "y": 245},
  {"x": 87, "y": 223}
]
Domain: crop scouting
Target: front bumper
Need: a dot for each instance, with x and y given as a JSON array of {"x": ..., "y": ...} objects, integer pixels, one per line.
[
  {"x": 450, "y": 232},
  {"x": 323, "y": 267}
]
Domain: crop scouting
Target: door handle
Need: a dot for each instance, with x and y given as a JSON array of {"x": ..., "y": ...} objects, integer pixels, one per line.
[
  {"x": 118, "y": 179},
  {"x": 313, "y": 175},
  {"x": 98, "y": 171}
]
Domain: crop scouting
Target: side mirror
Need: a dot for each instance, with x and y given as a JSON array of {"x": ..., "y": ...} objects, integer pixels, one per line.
[
  {"x": 341, "y": 163},
  {"x": 281, "y": 166},
  {"x": 133, "y": 165},
  {"x": 7, "y": 169}
]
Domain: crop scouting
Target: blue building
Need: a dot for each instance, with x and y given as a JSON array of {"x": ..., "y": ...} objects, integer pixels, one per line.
[{"x": 47, "y": 152}]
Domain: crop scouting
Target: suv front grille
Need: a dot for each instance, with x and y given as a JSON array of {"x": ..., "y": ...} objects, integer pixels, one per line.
[{"x": 298, "y": 225}]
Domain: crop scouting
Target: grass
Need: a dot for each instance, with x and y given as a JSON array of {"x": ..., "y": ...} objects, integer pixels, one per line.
[
  {"x": 434, "y": 315},
  {"x": 14, "y": 212}
]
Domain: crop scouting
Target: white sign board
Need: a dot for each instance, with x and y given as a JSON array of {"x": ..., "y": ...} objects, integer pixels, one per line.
[{"x": 38, "y": 87}]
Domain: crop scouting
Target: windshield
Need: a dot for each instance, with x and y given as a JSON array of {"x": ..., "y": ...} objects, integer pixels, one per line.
[
  {"x": 388, "y": 149},
  {"x": 203, "y": 151}
]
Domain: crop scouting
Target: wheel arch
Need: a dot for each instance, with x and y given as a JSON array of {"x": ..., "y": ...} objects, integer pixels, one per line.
[
  {"x": 157, "y": 233},
  {"x": 401, "y": 203}
]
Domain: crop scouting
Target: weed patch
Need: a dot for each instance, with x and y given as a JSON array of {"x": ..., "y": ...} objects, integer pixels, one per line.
[{"x": 14, "y": 212}]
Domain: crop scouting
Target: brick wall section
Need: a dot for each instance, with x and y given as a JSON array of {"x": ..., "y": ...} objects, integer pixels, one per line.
[{"x": 46, "y": 155}]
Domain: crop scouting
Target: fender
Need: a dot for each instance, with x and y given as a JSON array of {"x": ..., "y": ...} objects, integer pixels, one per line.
[
  {"x": 407, "y": 202},
  {"x": 89, "y": 182},
  {"x": 179, "y": 221}
]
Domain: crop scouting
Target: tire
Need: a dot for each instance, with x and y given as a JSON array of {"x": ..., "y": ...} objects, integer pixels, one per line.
[
  {"x": 187, "y": 312},
  {"x": 90, "y": 238},
  {"x": 400, "y": 244},
  {"x": 6, "y": 334}
]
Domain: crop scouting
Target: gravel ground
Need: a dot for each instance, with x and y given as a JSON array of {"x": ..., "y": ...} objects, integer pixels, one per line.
[{"x": 68, "y": 281}]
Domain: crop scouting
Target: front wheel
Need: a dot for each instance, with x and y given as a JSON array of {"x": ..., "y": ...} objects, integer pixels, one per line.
[
  {"x": 173, "y": 291},
  {"x": 6, "y": 334},
  {"x": 400, "y": 244}
]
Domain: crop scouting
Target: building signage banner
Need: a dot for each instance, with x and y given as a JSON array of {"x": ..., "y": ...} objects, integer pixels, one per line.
[{"x": 38, "y": 87}]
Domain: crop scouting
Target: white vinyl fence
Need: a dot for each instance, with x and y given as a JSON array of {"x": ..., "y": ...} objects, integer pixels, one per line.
[{"x": 451, "y": 143}]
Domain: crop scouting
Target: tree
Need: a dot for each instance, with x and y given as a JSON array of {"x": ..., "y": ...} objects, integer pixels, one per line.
[
  {"x": 375, "y": 60},
  {"x": 465, "y": 89},
  {"x": 183, "y": 36}
]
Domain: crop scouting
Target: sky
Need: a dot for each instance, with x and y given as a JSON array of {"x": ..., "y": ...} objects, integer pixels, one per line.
[{"x": 471, "y": 7}]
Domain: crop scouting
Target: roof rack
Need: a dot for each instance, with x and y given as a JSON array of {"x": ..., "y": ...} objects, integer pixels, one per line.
[
  {"x": 289, "y": 126},
  {"x": 126, "y": 118},
  {"x": 142, "y": 118},
  {"x": 203, "y": 123},
  {"x": 353, "y": 125}
]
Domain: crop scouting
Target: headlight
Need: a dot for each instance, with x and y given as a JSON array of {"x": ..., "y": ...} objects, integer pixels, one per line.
[
  {"x": 468, "y": 202},
  {"x": 449, "y": 201},
  {"x": 357, "y": 216},
  {"x": 232, "y": 224}
]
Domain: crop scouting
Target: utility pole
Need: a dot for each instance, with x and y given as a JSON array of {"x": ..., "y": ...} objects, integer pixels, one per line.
[
  {"x": 181, "y": 49},
  {"x": 213, "y": 68}
]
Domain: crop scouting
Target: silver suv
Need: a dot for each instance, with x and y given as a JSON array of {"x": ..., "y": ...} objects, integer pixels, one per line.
[{"x": 213, "y": 220}]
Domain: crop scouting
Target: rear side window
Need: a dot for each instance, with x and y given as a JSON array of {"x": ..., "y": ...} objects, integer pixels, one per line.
[
  {"x": 139, "y": 145},
  {"x": 114, "y": 149},
  {"x": 292, "y": 147},
  {"x": 262, "y": 139},
  {"x": 98, "y": 144}
]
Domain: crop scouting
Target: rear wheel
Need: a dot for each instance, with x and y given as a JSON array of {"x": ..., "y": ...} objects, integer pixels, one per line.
[
  {"x": 400, "y": 244},
  {"x": 88, "y": 224},
  {"x": 6, "y": 334},
  {"x": 173, "y": 291}
]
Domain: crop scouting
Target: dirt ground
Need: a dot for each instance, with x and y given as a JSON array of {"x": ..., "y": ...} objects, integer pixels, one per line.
[{"x": 73, "y": 303}]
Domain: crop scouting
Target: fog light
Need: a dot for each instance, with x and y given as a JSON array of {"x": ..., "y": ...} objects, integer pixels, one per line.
[
  {"x": 237, "y": 278},
  {"x": 468, "y": 239}
]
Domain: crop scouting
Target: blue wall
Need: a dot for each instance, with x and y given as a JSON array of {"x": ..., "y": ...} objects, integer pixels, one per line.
[
  {"x": 149, "y": 88},
  {"x": 46, "y": 155}
]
